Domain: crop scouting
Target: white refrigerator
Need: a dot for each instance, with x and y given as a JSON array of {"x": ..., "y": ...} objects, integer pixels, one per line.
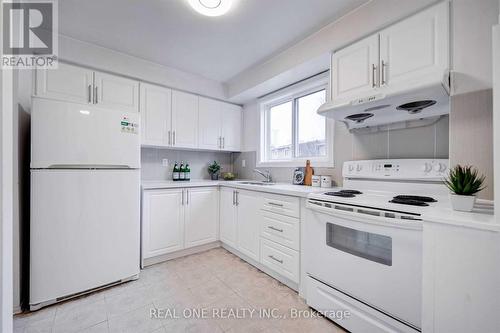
[{"x": 85, "y": 199}]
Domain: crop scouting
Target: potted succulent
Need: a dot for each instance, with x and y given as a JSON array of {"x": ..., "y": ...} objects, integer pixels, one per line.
[
  {"x": 464, "y": 182},
  {"x": 213, "y": 170}
]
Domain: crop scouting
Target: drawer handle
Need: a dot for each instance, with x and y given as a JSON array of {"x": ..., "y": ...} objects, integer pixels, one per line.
[
  {"x": 275, "y": 204},
  {"x": 275, "y": 229},
  {"x": 278, "y": 260}
]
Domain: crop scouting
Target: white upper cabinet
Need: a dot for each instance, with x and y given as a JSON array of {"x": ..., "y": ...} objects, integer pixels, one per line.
[
  {"x": 116, "y": 92},
  {"x": 219, "y": 125},
  {"x": 412, "y": 52},
  {"x": 415, "y": 49},
  {"x": 231, "y": 127},
  {"x": 77, "y": 84},
  {"x": 67, "y": 82},
  {"x": 354, "y": 68},
  {"x": 201, "y": 216},
  {"x": 209, "y": 125},
  {"x": 184, "y": 120},
  {"x": 156, "y": 104}
]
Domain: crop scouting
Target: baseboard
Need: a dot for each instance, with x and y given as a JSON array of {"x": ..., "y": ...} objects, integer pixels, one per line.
[
  {"x": 182, "y": 253},
  {"x": 17, "y": 309},
  {"x": 270, "y": 272}
]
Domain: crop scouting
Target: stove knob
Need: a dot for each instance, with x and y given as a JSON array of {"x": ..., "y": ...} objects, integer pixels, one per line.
[
  {"x": 442, "y": 167},
  {"x": 351, "y": 167},
  {"x": 426, "y": 167},
  {"x": 359, "y": 167}
]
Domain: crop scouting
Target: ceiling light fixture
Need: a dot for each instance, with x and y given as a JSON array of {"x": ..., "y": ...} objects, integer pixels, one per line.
[{"x": 211, "y": 7}]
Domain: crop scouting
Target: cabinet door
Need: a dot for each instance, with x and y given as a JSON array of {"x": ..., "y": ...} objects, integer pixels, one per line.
[
  {"x": 354, "y": 69},
  {"x": 228, "y": 217},
  {"x": 209, "y": 125},
  {"x": 202, "y": 214},
  {"x": 415, "y": 49},
  {"x": 184, "y": 120},
  {"x": 162, "y": 222},
  {"x": 67, "y": 82},
  {"x": 155, "y": 115},
  {"x": 231, "y": 127},
  {"x": 248, "y": 204},
  {"x": 116, "y": 92}
]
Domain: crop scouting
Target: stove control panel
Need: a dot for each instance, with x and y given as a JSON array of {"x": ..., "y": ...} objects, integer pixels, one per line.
[{"x": 417, "y": 169}]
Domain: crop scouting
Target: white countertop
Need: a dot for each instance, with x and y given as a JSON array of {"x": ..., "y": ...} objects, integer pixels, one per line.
[
  {"x": 278, "y": 188},
  {"x": 480, "y": 218}
]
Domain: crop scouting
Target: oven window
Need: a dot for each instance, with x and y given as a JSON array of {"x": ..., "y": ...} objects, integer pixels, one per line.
[{"x": 377, "y": 248}]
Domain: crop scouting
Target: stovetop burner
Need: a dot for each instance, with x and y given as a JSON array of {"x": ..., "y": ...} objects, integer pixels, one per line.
[
  {"x": 415, "y": 197},
  {"x": 340, "y": 194},
  {"x": 412, "y": 200},
  {"x": 351, "y": 191}
]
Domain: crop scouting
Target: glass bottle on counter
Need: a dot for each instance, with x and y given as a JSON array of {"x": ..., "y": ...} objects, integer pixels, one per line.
[
  {"x": 175, "y": 172},
  {"x": 182, "y": 172},
  {"x": 187, "y": 172}
]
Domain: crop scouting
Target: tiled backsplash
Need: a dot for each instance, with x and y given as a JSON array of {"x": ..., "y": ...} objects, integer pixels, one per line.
[
  {"x": 420, "y": 142},
  {"x": 152, "y": 168}
]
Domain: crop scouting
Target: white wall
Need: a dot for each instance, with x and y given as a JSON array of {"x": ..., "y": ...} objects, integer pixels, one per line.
[
  {"x": 6, "y": 198},
  {"x": 471, "y": 44},
  {"x": 105, "y": 59},
  {"x": 496, "y": 117}
]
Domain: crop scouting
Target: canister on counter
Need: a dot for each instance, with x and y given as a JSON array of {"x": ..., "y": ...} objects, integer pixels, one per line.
[
  {"x": 326, "y": 181},
  {"x": 316, "y": 181}
]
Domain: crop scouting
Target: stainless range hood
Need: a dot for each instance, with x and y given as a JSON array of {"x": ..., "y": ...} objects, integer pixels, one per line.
[{"x": 386, "y": 107}]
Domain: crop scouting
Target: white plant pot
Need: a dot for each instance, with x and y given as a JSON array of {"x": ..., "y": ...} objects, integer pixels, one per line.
[{"x": 463, "y": 203}]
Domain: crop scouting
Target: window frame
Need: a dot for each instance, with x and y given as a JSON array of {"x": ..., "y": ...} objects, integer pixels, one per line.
[{"x": 293, "y": 94}]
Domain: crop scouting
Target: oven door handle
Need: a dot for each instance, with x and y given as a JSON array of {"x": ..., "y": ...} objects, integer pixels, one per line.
[{"x": 362, "y": 215}]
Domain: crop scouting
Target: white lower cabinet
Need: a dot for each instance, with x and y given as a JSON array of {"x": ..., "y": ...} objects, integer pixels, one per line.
[
  {"x": 177, "y": 219},
  {"x": 240, "y": 221},
  {"x": 280, "y": 259},
  {"x": 250, "y": 225},
  {"x": 201, "y": 216},
  {"x": 247, "y": 205},
  {"x": 162, "y": 222},
  {"x": 227, "y": 229}
]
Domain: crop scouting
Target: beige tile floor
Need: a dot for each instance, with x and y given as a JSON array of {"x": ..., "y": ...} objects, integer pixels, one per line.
[{"x": 215, "y": 281}]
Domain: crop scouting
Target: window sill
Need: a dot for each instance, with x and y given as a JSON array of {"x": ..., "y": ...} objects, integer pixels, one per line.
[{"x": 318, "y": 163}]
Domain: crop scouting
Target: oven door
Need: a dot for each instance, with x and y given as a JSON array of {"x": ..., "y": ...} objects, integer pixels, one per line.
[{"x": 375, "y": 259}]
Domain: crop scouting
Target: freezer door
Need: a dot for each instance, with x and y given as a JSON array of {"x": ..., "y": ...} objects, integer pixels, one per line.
[
  {"x": 70, "y": 135},
  {"x": 85, "y": 230}
]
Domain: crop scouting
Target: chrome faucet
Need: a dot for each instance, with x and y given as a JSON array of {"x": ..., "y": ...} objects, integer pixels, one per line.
[{"x": 266, "y": 174}]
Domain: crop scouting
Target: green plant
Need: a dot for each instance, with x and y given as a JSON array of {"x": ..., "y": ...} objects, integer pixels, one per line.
[
  {"x": 464, "y": 180},
  {"x": 214, "y": 168}
]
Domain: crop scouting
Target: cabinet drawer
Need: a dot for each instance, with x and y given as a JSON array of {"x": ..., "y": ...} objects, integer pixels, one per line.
[
  {"x": 281, "y": 229},
  {"x": 280, "y": 259},
  {"x": 281, "y": 204}
]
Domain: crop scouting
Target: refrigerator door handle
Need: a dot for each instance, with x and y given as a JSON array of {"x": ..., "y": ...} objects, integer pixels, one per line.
[
  {"x": 95, "y": 95},
  {"x": 88, "y": 166}
]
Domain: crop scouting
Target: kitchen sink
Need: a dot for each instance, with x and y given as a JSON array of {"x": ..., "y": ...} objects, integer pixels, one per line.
[{"x": 256, "y": 183}]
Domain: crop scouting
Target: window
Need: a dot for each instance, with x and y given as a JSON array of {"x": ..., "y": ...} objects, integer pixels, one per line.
[{"x": 292, "y": 131}]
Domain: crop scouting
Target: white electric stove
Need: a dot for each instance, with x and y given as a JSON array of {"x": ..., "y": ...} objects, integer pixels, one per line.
[{"x": 363, "y": 243}]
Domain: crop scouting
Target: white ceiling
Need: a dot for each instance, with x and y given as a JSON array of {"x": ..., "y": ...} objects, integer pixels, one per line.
[{"x": 170, "y": 33}]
